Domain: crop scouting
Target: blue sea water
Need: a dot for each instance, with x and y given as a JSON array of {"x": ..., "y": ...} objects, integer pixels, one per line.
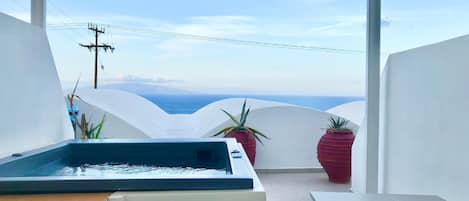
[{"x": 188, "y": 104}]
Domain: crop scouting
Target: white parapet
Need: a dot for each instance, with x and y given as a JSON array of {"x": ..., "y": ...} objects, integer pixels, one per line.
[
  {"x": 294, "y": 130},
  {"x": 353, "y": 111}
]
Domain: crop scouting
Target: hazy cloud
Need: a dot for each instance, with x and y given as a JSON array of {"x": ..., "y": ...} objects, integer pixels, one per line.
[{"x": 139, "y": 79}]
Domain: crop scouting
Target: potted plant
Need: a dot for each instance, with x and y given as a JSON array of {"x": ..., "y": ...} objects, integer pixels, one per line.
[
  {"x": 88, "y": 130},
  {"x": 243, "y": 134},
  {"x": 334, "y": 150}
]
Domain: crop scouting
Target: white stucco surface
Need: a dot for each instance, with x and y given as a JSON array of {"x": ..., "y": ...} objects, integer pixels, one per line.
[
  {"x": 31, "y": 100},
  {"x": 131, "y": 116},
  {"x": 424, "y": 111},
  {"x": 294, "y": 130},
  {"x": 358, "y": 180},
  {"x": 353, "y": 111}
]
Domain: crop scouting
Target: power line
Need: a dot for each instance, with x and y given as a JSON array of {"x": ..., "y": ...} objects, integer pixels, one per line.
[
  {"x": 67, "y": 18},
  {"x": 239, "y": 41},
  {"x": 153, "y": 33}
]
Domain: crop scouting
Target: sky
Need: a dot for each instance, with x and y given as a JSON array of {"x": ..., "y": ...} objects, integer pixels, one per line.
[{"x": 165, "y": 42}]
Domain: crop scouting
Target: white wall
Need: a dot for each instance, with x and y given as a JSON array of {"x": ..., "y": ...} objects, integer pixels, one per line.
[
  {"x": 210, "y": 117},
  {"x": 359, "y": 148},
  {"x": 127, "y": 115},
  {"x": 353, "y": 111},
  {"x": 425, "y": 117},
  {"x": 113, "y": 127},
  {"x": 358, "y": 180},
  {"x": 33, "y": 112},
  {"x": 295, "y": 131}
]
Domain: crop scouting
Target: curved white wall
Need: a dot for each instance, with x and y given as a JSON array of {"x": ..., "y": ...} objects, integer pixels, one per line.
[
  {"x": 141, "y": 115},
  {"x": 295, "y": 131},
  {"x": 353, "y": 111},
  {"x": 425, "y": 113},
  {"x": 211, "y": 116},
  {"x": 32, "y": 105},
  {"x": 113, "y": 127}
]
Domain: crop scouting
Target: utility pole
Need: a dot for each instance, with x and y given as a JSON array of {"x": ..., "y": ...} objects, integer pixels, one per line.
[{"x": 95, "y": 46}]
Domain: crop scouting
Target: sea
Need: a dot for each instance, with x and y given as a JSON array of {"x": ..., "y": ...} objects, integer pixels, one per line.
[{"x": 188, "y": 104}]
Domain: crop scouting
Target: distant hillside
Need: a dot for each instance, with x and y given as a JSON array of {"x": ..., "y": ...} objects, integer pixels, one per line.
[{"x": 142, "y": 88}]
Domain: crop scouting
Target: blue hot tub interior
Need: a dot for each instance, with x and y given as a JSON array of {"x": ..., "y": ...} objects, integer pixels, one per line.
[{"x": 111, "y": 165}]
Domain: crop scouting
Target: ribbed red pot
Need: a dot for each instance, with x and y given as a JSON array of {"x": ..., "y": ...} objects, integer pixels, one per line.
[
  {"x": 335, "y": 154},
  {"x": 248, "y": 141}
]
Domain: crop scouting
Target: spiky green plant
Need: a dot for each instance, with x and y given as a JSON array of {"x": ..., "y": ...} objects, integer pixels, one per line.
[
  {"x": 240, "y": 125},
  {"x": 338, "y": 123},
  {"x": 88, "y": 131}
]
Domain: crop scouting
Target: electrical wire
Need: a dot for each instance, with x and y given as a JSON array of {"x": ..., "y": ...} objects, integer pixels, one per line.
[{"x": 159, "y": 33}]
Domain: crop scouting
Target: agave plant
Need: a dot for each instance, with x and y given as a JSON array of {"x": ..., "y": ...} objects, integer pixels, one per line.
[
  {"x": 240, "y": 125},
  {"x": 88, "y": 131},
  {"x": 338, "y": 123}
]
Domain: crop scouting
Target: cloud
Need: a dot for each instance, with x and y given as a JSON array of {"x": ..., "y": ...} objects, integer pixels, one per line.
[
  {"x": 67, "y": 85},
  {"x": 122, "y": 27},
  {"x": 346, "y": 26},
  {"x": 216, "y": 26},
  {"x": 179, "y": 45},
  {"x": 212, "y": 26},
  {"x": 139, "y": 79}
]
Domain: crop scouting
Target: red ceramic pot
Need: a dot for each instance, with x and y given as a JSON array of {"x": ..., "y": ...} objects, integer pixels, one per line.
[
  {"x": 248, "y": 142},
  {"x": 335, "y": 154}
]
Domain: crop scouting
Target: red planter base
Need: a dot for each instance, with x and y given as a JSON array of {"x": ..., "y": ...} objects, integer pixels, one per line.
[
  {"x": 248, "y": 141},
  {"x": 335, "y": 154}
]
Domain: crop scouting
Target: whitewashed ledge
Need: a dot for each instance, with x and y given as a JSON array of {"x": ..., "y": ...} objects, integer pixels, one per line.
[{"x": 294, "y": 130}]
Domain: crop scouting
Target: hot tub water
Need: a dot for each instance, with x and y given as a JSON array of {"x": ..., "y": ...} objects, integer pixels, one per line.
[{"x": 121, "y": 169}]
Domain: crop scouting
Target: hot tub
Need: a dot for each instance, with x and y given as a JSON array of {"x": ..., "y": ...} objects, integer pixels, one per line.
[{"x": 127, "y": 165}]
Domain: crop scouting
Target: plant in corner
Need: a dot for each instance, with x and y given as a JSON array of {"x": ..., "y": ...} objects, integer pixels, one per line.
[
  {"x": 335, "y": 150},
  {"x": 73, "y": 110},
  {"x": 243, "y": 134},
  {"x": 88, "y": 131}
]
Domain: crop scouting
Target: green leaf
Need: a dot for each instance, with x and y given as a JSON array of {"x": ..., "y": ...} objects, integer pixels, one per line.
[
  {"x": 231, "y": 117},
  {"x": 100, "y": 127},
  {"x": 91, "y": 128},
  {"x": 243, "y": 109},
  {"x": 240, "y": 125},
  {"x": 219, "y": 132},
  {"x": 229, "y": 130},
  {"x": 258, "y": 139},
  {"x": 245, "y": 117},
  {"x": 256, "y": 132},
  {"x": 338, "y": 123}
]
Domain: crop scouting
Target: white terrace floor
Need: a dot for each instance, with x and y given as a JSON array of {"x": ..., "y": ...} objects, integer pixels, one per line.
[{"x": 296, "y": 186}]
